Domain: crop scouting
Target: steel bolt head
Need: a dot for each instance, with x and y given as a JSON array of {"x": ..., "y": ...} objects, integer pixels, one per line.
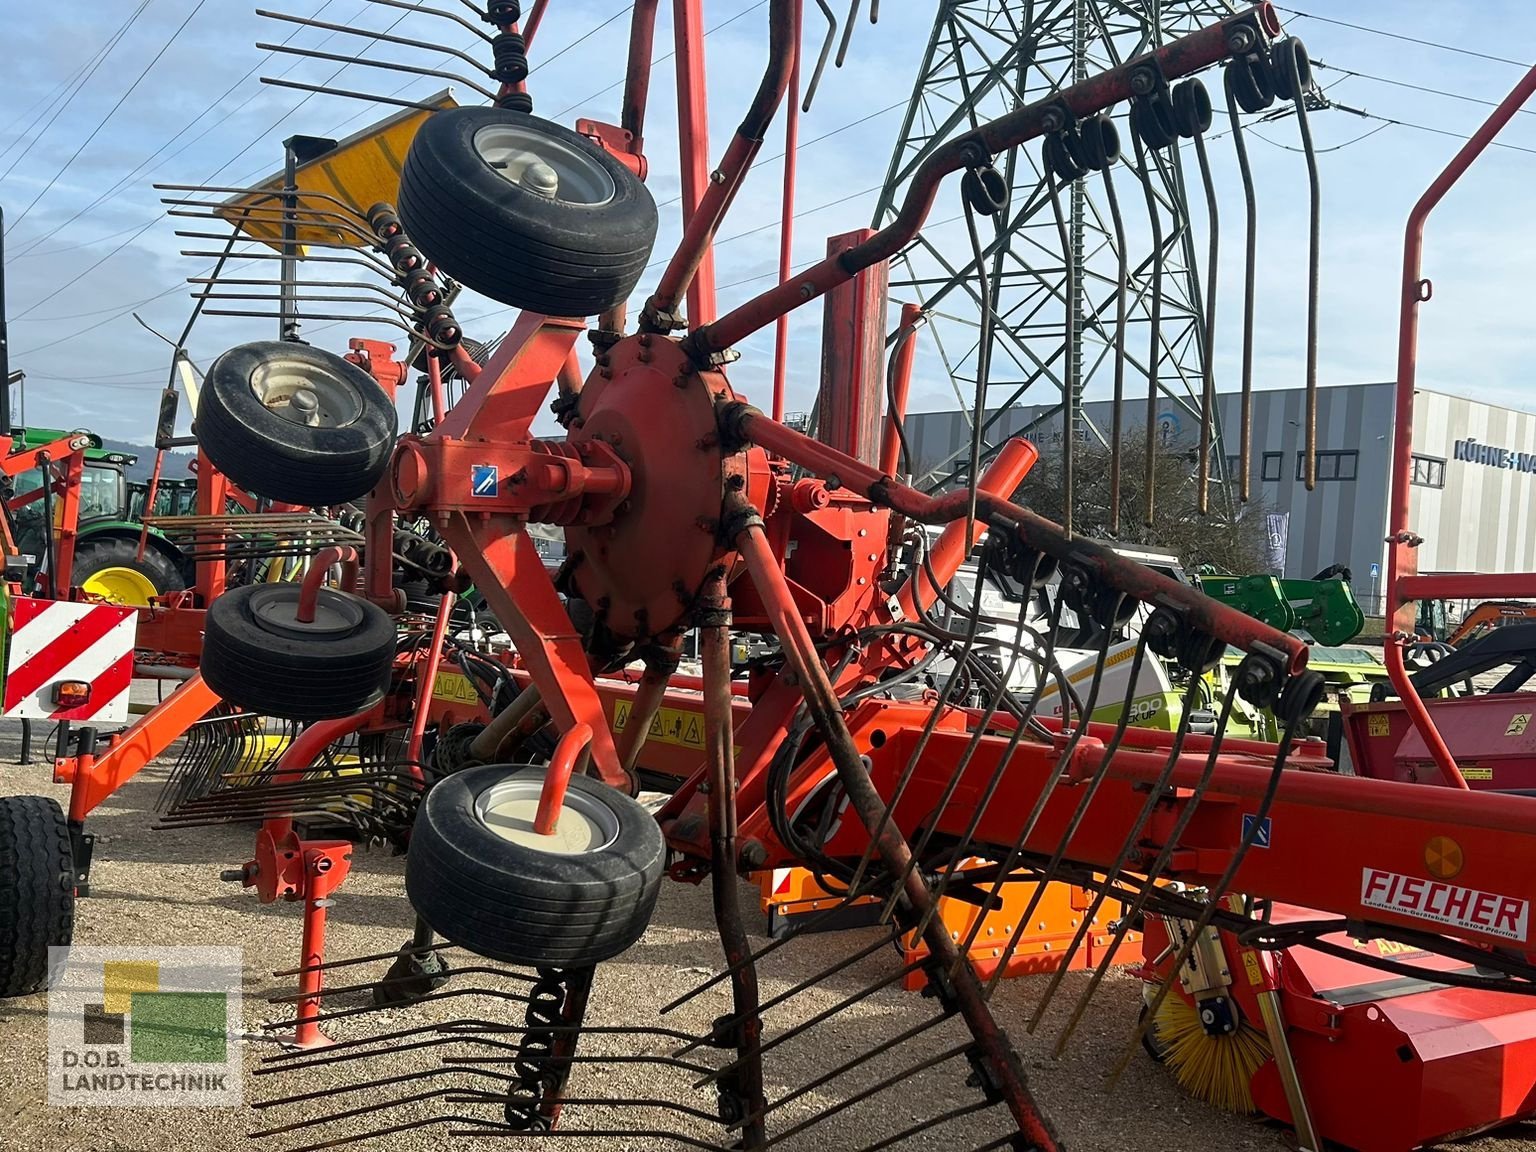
[
  {"x": 1051, "y": 120},
  {"x": 1142, "y": 81},
  {"x": 1240, "y": 39}
]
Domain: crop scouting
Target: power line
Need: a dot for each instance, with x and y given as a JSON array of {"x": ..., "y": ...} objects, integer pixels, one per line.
[
  {"x": 100, "y": 59},
  {"x": 1416, "y": 87},
  {"x": 30, "y": 247},
  {"x": 1408, "y": 39},
  {"x": 560, "y": 115},
  {"x": 111, "y": 112},
  {"x": 207, "y": 180}
]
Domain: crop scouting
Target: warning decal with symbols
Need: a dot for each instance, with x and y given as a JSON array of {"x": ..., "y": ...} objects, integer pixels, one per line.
[{"x": 680, "y": 726}]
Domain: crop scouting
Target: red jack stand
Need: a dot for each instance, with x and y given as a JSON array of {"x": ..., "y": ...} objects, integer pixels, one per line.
[{"x": 288, "y": 868}]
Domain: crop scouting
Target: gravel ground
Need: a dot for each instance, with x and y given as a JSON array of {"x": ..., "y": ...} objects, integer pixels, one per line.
[{"x": 162, "y": 888}]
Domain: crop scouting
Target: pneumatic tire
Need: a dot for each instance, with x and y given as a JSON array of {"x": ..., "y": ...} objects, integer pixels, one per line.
[
  {"x": 258, "y": 655},
  {"x": 477, "y": 874},
  {"x": 37, "y": 890},
  {"x": 295, "y": 423},
  {"x": 525, "y": 211}
]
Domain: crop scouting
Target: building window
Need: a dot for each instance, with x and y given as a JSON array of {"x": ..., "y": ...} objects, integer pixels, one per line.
[
  {"x": 1338, "y": 465},
  {"x": 1428, "y": 471},
  {"x": 1270, "y": 466}
]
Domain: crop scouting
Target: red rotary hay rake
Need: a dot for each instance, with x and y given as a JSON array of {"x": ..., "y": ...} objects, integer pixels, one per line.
[{"x": 685, "y": 508}]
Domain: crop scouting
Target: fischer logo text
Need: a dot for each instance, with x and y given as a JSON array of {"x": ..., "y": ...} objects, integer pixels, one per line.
[{"x": 1445, "y": 903}]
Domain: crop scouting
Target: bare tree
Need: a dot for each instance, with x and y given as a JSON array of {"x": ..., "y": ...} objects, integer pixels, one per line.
[{"x": 1231, "y": 536}]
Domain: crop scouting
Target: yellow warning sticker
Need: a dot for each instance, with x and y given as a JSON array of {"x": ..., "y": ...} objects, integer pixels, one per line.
[
  {"x": 454, "y": 686},
  {"x": 679, "y": 726},
  {"x": 1378, "y": 724},
  {"x": 1476, "y": 772},
  {"x": 1518, "y": 724},
  {"x": 1255, "y": 973}
]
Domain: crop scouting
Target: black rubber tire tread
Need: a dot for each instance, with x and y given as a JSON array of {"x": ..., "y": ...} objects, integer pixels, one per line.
[
  {"x": 323, "y": 678},
  {"x": 274, "y": 457},
  {"x": 518, "y": 905},
  {"x": 118, "y": 552},
  {"x": 516, "y": 247},
  {"x": 37, "y": 890}
]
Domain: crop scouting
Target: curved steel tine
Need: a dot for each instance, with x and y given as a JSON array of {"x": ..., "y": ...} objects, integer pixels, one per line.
[
  {"x": 388, "y": 65},
  {"x": 370, "y": 97},
  {"x": 821, "y": 59},
  {"x": 853, "y": 16},
  {"x": 454, "y": 16}
]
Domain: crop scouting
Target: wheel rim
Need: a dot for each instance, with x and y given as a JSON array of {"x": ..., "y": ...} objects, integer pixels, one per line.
[
  {"x": 126, "y": 586},
  {"x": 303, "y": 393},
  {"x": 275, "y": 608},
  {"x": 544, "y": 165},
  {"x": 507, "y": 810}
]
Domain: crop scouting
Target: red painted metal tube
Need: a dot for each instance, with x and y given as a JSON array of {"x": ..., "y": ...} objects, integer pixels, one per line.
[
  {"x": 1403, "y": 583},
  {"x": 535, "y": 18},
  {"x": 900, "y": 384},
  {"x": 693, "y": 144},
  {"x": 319, "y": 567},
  {"x": 573, "y": 746},
  {"x": 427, "y": 678},
  {"x": 306, "y": 748},
  {"x": 1460, "y": 585},
  {"x": 1180, "y": 58},
  {"x": 435, "y": 380},
  {"x": 725, "y": 181},
  {"x": 822, "y": 703},
  {"x": 1006, "y": 472},
  {"x": 787, "y": 214},
  {"x": 637, "y": 76},
  {"x": 1036, "y": 531}
]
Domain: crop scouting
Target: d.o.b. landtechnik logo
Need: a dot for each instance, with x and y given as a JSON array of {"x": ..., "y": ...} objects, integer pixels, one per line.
[{"x": 144, "y": 1027}]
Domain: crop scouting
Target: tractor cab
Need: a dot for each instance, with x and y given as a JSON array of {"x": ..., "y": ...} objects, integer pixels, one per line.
[{"x": 108, "y": 562}]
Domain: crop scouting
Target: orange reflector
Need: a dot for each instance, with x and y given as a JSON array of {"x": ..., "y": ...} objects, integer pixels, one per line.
[{"x": 71, "y": 693}]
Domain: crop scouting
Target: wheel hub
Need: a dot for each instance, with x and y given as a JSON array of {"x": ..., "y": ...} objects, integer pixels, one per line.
[
  {"x": 300, "y": 393},
  {"x": 544, "y": 164},
  {"x": 642, "y": 571},
  {"x": 275, "y": 610},
  {"x": 508, "y": 810}
]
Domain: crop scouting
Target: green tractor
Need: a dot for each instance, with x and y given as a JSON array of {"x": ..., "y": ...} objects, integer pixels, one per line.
[{"x": 107, "y": 561}]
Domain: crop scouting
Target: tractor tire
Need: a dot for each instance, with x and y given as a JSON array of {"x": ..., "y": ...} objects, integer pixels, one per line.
[
  {"x": 574, "y": 247},
  {"x": 113, "y": 569},
  {"x": 258, "y": 655},
  {"x": 478, "y": 875},
  {"x": 37, "y": 891},
  {"x": 295, "y": 424}
]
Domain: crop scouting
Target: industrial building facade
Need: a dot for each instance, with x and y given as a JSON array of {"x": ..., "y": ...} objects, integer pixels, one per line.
[{"x": 1474, "y": 473}]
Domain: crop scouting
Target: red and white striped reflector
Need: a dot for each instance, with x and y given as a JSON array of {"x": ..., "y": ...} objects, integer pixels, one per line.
[{"x": 54, "y": 640}]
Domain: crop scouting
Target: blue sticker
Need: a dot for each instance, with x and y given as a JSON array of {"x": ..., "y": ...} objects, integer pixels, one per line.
[
  {"x": 484, "y": 480},
  {"x": 1262, "y": 839}
]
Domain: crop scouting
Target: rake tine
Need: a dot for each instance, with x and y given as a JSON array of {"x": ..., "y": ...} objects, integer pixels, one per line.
[
  {"x": 1219, "y": 893},
  {"x": 402, "y": 1078},
  {"x": 821, "y": 918},
  {"x": 294, "y": 997},
  {"x": 452, "y": 993},
  {"x": 372, "y": 958},
  {"x": 628, "y": 1134},
  {"x": 820, "y": 1018},
  {"x": 928, "y": 1125},
  {"x": 390, "y": 65},
  {"x": 664, "y": 1061},
  {"x": 365, "y": 1109},
  {"x": 1099, "y": 776},
  {"x": 873, "y": 1090},
  {"x": 795, "y": 990},
  {"x": 370, "y": 97},
  {"x": 483, "y": 1128},
  {"x": 1154, "y": 797},
  {"x": 642, "y": 1102},
  {"x": 455, "y": 17},
  {"x": 862, "y": 1058},
  {"x": 1160, "y": 863},
  {"x": 1052, "y": 780}
]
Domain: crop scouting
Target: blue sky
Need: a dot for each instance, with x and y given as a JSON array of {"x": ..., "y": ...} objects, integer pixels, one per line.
[{"x": 88, "y": 243}]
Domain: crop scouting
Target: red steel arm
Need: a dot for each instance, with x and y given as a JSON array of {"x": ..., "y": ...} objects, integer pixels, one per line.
[{"x": 1404, "y": 585}]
